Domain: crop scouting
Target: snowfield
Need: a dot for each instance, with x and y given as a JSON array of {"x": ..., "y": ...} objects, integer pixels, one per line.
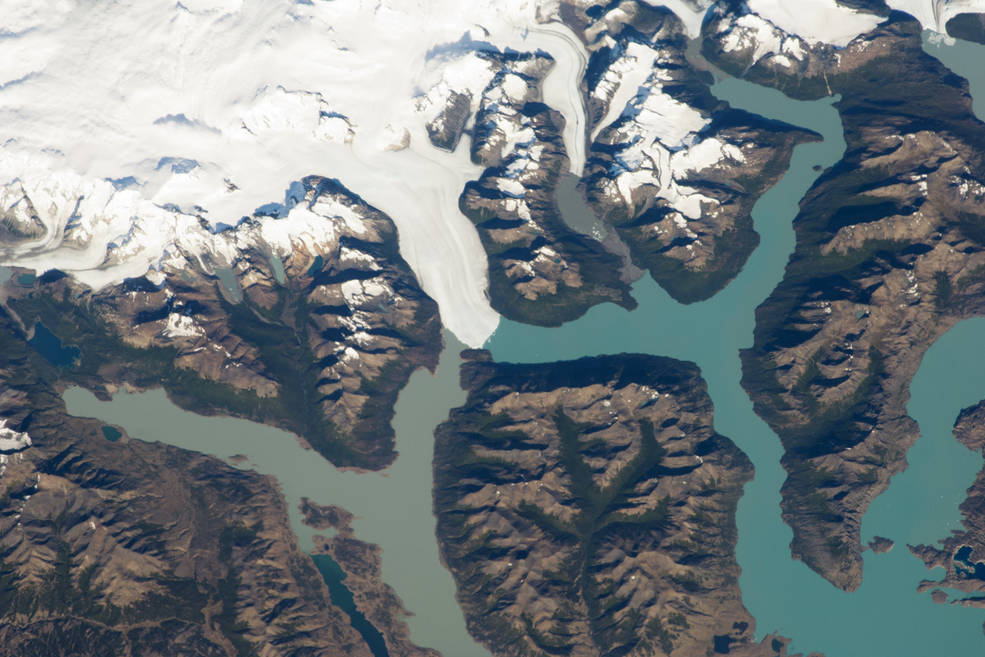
[
  {"x": 124, "y": 120},
  {"x": 815, "y": 20},
  {"x": 828, "y": 22},
  {"x": 934, "y": 14},
  {"x": 12, "y": 441}
]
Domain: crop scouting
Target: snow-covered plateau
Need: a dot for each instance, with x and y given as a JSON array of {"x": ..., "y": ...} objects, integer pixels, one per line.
[
  {"x": 126, "y": 120},
  {"x": 121, "y": 117}
]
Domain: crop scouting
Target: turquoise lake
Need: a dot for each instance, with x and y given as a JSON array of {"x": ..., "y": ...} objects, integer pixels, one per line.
[{"x": 886, "y": 617}]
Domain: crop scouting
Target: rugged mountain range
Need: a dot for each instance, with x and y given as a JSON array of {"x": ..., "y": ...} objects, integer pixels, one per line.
[
  {"x": 310, "y": 321},
  {"x": 889, "y": 256},
  {"x": 541, "y": 271},
  {"x": 588, "y": 508},
  {"x": 133, "y": 548},
  {"x": 674, "y": 170},
  {"x": 584, "y": 508}
]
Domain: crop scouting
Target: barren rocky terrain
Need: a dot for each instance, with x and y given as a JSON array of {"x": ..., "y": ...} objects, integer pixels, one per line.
[
  {"x": 316, "y": 333},
  {"x": 889, "y": 256},
  {"x": 132, "y": 548},
  {"x": 587, "y": 508}
]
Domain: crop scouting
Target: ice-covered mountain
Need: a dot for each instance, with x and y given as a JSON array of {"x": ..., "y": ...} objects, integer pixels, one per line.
[
  {"x": 123, "y": 118},
  {"x": 670, "y": 163},
  {"x": 125, "y": 121},
  {"x": 935, "y": 14}
]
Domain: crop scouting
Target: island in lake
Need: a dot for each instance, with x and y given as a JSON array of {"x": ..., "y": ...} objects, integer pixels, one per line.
[
  {"x": 111, "y": 542},
  {"x": 133, "y": 548}
]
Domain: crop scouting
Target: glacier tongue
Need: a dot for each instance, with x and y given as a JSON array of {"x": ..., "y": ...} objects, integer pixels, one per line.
[
  {"x": 126, "y": 119},
  {"x": 123, "y": 119}
]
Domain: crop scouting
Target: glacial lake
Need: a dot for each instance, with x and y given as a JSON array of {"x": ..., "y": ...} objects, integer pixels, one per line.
[
  {"x": 886, "y": 616},
  {"x": 392, "y": 508},
  {"x": 575, "y": 210}
]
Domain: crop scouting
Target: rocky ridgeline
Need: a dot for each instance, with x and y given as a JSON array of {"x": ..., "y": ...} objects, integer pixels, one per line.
[
  {"x": 889, "y": 256},
  {"x": 673, "y": 169},
  {"x": 131, "y": 548},
  {"x": 540, "y": 270},
  {"x": 309, "y": 320},
  {"x": 588, "y": 508}
]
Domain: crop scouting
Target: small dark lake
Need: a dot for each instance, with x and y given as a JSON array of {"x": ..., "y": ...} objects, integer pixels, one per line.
[
  {"x": 967, "y": 567},
  {"x": 49, "y": 346},
  {"x": 333, "y": 575}
]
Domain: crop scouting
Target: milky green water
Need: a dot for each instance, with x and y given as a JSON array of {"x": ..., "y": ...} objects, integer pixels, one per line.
[
  {"x": 278, "y": 266},
  {"x": 229, "y": 283},
  {"x": 575, "y": 211},
  {"x": 885, "y": 617},
  {"x": 964, "y": 58},
  {"x": 392, "y": 508}
]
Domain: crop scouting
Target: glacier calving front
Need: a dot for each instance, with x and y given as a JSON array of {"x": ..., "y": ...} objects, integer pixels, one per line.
[{"x": 123, "y": 121}]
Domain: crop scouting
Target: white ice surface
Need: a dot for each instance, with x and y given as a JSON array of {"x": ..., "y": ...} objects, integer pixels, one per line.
[
  {"x": 628, "y": 74},
  {"x": 825, "y": 21},
  {"x": 815, "y": 20},
  {"x": 704, "y": 154},
  {"x": 181, "y": 326},
  {"x": 660, "y": 145},
  {"x": 214, "y": 107},
  {"x": 12, "y": 441},
  {"x": 691, "y": 12},
  {"x": 934, "y": 14},
  {"x": 561, "y": 89}
]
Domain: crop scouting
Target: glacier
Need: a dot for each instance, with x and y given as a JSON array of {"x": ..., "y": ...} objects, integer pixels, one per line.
[
  {"x": 126, "y": 120},
  {"x": 123, "y": 120}
]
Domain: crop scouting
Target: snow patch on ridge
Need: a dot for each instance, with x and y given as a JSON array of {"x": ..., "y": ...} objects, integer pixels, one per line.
[
  {"x": 659, "y": 143},
  {"x": 120, "y": 140},
  {"x": 623, "y": 81},
  {"x": 816, "y": 21},
  {"x": 182, "y": 326},
  {"x": 12, "y": 441}
]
